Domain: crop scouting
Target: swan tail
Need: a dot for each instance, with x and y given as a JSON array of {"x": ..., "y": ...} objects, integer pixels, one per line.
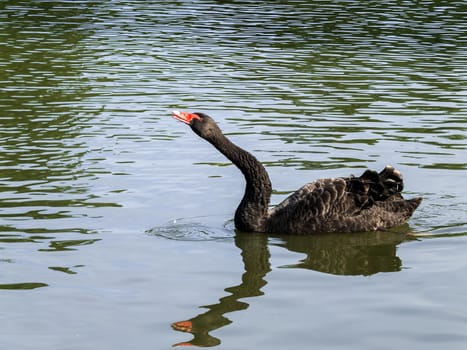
[
  {"x": 379, "y": 200},
  {"x": 373, "y": 187}
]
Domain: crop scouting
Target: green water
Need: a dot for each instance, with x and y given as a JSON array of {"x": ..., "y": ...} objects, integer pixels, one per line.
[{"x": 116, "y": 221}]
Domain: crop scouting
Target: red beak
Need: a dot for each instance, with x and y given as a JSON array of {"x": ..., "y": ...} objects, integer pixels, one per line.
[{"x": 185, "y": 117}]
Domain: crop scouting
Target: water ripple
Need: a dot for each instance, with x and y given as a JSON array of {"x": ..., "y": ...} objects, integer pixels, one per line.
[{"x": 194, "y": 229}]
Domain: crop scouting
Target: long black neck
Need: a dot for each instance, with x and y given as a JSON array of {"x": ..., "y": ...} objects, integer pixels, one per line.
[{"x": 253, "y": 208}]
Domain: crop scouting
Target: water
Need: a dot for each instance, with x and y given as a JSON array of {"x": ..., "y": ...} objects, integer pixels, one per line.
[{"x": 115, "y": 220}]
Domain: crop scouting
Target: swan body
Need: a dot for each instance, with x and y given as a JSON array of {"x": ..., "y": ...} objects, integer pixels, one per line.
[{"x": 370, "y": 202}]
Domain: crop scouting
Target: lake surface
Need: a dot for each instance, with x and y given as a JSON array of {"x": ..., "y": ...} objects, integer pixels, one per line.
[{"x": 116, "y": 221}]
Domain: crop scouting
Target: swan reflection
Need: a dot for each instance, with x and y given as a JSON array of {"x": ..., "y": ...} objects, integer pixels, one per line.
[
  {"x": 343, "y": 254},
  {"x": 346, "y": 254}
]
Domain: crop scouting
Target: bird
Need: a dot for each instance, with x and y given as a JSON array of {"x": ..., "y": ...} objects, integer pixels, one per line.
[{"x": 369, "y": 202}]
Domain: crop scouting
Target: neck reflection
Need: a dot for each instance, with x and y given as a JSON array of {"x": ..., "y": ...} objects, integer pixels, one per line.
[{"x": 255, "y": 256}]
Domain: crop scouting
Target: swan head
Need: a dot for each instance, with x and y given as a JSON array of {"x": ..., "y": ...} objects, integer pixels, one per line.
[{"x": 202, "y": 124}]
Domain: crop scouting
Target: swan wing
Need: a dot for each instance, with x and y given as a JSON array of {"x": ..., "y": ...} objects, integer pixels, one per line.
[
  {"x": 367, "y": 203},
  {"x": 308, "y": 208}
]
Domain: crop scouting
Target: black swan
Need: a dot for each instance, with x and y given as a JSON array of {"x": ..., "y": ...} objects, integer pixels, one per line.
[{"x": 370, "y": 202}]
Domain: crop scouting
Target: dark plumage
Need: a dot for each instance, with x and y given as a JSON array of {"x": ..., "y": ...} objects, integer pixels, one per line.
[{"x": 370, "y": 202}]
